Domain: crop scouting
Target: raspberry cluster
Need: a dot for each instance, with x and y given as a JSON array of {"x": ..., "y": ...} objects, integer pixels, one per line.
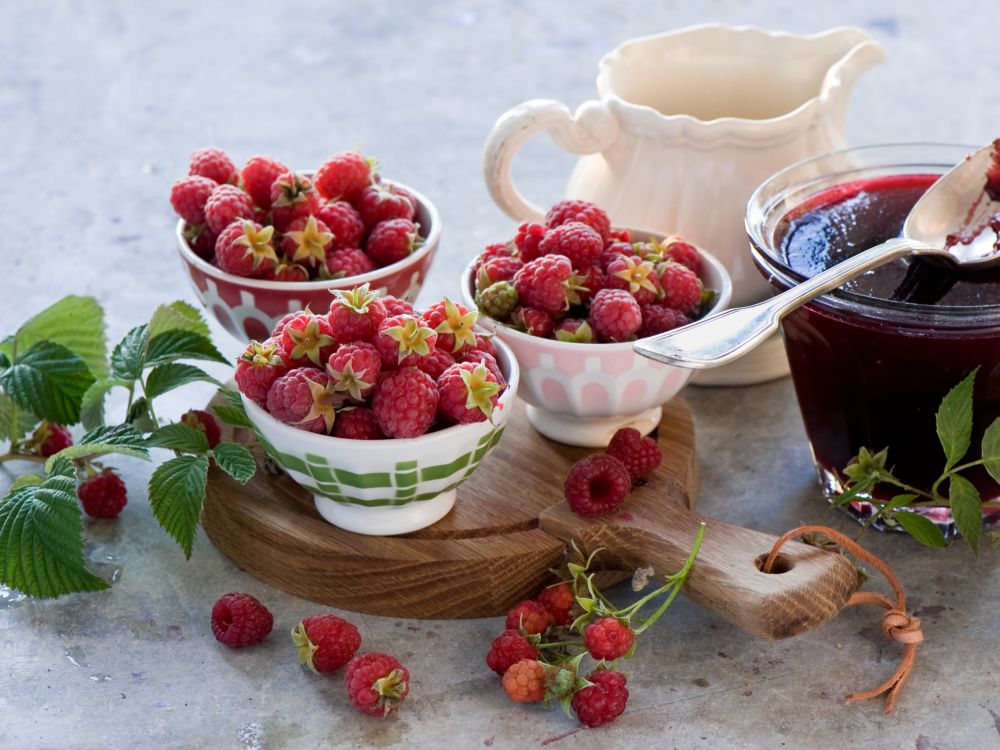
[
  {"x": 268, "y": 221},
  {"x": 600, "y": 482},
  {"x": 575, "y": 279},
  {"x": 374, "y": 368}
]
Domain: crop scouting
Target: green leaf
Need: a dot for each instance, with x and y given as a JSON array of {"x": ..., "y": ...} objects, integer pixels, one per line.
[
  {"x": 234, "y": 415},
  {"x": 178, "y": 437},
  {"x": 235, "y": 460},
  {"x": 179, "y": 344},
  {"x": 26, "y": 480},
  {"x": 48, "y": 380},
  {"x": 92, "y": 404},
  {"x": 177, "y": 316},
  {"x": 41, "y": 538},
  {"x": 26, "y": 421},
  {"x": 899, "y": 501},
  {"x": 991, "y": 449},
  {"x": 176, "y": 494},
  {"x": 954, "y": 420},
  {"x": 123, "y": 439},
  {"x": 163, "y": 378},
  {"x": 920, "y": 528},
  {"x": 966, "y": 509},
  {"x": 127, "y": 360},
  {"x": 138, "y": 416},
  {"x": 75, "y": 322}
]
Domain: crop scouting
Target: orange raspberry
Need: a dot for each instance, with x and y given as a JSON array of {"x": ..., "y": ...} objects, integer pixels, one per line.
[{"x": 524, "y": 682}]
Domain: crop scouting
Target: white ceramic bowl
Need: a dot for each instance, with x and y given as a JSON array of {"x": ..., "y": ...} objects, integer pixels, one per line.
[
  {"x": 383, "y": 487},
  {"x": 580, "y": 394}
]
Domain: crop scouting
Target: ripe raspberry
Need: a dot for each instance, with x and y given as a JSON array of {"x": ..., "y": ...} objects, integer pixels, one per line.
[
  {"x": 578, "y": 242},
  {"x": 403, "y": 339},
  {"x": 356, "y": 314},
  {"x": 496, "y": 250},
  {"x": 280, "y": 325},
  {"x": 659, "y": 319},
  {"x": 507, "y": 649},
  {"x": 292, "y": 197},
  {"x": 497, "y": 300},
  {"x": 257, "y": 368},
  {"x": 257, "y": 177},
  {"x": 201, "y": 240},
  {"x": 566, "y": 211},
  {"x": 684, "y": 253},
  {"x": 574, "y": 331},
  {"x": 405, "y": 403},
  {"x": 529, "y": 618},
  {"x": 396, "y": 306},
  {"x": 343, "y": 176},
  {"x": 529, "y": 236},
  {"x": 358, "y": 423},
  {"x": 637, "y": 277},
  {"x": 603, "y": 701},
  {"x": 524, "y": 682},
  {"x": 344, "y": 221},
  {"x": 50, "y": 438},
  {"x": 544, "y": 283},
  {"x": 325, "y": 642},
  {"x": 435, "y": 363},
  {"x": 214, "y": 164},
  {"x": 226, "y": 204},
  {"x": 478, "y": 356},
  {"x": 597, "y": 484},
  {"x": 681, "y": 287},
  {"x": 559, "y": 601},
  {"x": 240, "y": 620},
  {"x": 533, "y": 322},
  {"x": 378, "y": 203},
  {"x": 619, "y": 235},
  {"x": 468, "y": 393},
  {"x": 590, "y": 280},
  {"x": 502, "y": 268},
  {"x": 103, "y": 494},
  {"x": 205, "y": 422},
  {"x": 641, "y": 455},
  {"x": 454, "y": 324},
  {"x": 307, "y": 241},
  {"x": 341, "y": 264},
  {"x": 188, "y": 197},
  {"x": 616, "y": 249},
  {"x": 307, "y": 340},
  {"x": 615, "y": 315},
  {"x": 608, "y": 638},
  {"x": 304, "y": 398},
  {"x": 355, "y": 368},
  {"x": 484, "y": 343},
  {"x": 287, "y": 271},
  {"x": 391, "y": 241},
  {"x": 245, "y": 249},
  {"x": 376, "y": 683}
]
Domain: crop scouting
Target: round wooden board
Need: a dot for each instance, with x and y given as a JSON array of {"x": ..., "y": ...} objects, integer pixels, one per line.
[{"x": 483, "y": 557}]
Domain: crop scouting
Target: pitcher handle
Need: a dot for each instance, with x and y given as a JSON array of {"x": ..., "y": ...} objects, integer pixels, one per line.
[{"x": 591, "y": 129}]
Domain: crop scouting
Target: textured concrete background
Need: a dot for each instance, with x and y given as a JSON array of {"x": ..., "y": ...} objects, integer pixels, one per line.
[{"x": 101, "y": 104}]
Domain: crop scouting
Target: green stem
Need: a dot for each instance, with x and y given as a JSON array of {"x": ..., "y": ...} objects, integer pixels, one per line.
[
  {"x": 149, "y": 403},
  {"x": 679, "y": 579},
  {"x": 890, "y": 479},
  {"x": 559, "y": 644},
  {"x": 963, "y": 467},
  {"x": 13, "y": 404},
  {"x": 17, "y": 456}
]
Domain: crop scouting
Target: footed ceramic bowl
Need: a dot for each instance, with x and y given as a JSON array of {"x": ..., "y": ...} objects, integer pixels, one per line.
[
  {"x": 250, "y": 308},
  {"x": 580, "y": 394},
  {"x": 382, "y": 487}
]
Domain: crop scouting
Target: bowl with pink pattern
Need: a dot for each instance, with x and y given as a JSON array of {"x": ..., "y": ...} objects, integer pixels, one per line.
[
  {"x": 580, "y": 394},
  {"x": 250, "y": 308}
]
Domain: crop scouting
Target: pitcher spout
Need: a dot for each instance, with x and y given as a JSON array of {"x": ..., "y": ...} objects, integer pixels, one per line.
[{"x": 860, "y": 53}]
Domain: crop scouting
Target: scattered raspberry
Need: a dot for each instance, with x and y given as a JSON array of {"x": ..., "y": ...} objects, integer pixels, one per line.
[
  {"x": 454, "y": 324},
  {"x": 524, "y": 682},
  {"x": 50, "y": 438},
  {"x": 325, "y": 642},
  {"x": 307, "y": 339},
  {"x": 341, "y": 264},
  {"x": 201, "y": 240},
  {"x": 608, "y": 638},
  {"x": 566, "y": 211},
  {"x": 597, "y": 484},
  {"x": 574, "y": 331},
  {"x": 681, "y": 287},
  {"x": 188, "y": 197},
  {"x": 497, "y": 300},
  {"x": 344, "y": 221},
  {"x": 305, "y": 398},
  {"x": 245, "y": 249},
  {"x": 381, "y": 202},
  {"x": 206, "y": 423},
  {"x": 529, "y": 236},
  {"x": 357, "y": 423},
  {"x": 468, "y": 393},
  {"x": 343, "y": 176},
  {"x": 376, "y": 683},
  {"x": 529, "y": 618},
  {"x": 257, "y": 368},
  {"x": 435, "y": 363},
  {"x": 355, "y": 368},
  {"x": 603, "y": 701},
  {"x": 543, "y": 284},
  {"x": 615, "y": 315},
  {"x": 392, "y": 240},
  {"x": 659, "y": 319},
  {"x": 641, "y": 455},
  {"x": 356, "y": 314},
  {"x": 257, "y": 177},
  {"x": 578, "y": 242},
  {"x": 507, "y": 649},
  {"x": 637, "y": 277},
  {"x": 396, "y": 306},
  {"x": 240, "y": 620},
  {"x": 292, "y": 197},
  {"x": 214, "y": 164},
  {"x": 287, "y": 271},
  {"x": 684, "y": 253},
  {"x": 307, "y": 241},
  {"x": 478, "y": 356},
  {"x": 533, "y": 322},
  {"x": 405, "y": 403},
  {"x": 102, "y": 494},
  {"x": 559, "y": 601},
  {"x": 403, "y": 339},
  {"x": 226, "y": 204}
]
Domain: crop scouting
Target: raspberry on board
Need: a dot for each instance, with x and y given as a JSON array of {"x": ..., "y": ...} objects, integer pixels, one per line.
[
  {"x": 240, "y": 620},
  {"x": 597, "y": 484},
  {"x": 325, "y": 643},
  {"x": 507, "y": 649},
  {"x": 376, "y": 683},
  {"x": 603, "y": 701},
  {"x": 641, "y": 455}
]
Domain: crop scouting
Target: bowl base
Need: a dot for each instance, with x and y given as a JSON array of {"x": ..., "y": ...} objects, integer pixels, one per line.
[
  {"x": 388, "y": 520},
  {"x": 590, "y": 432}
]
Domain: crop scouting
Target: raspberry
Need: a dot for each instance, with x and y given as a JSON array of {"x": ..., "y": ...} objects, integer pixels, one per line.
[
  {"x": 343, "y": 176},
  {"x": 597, "y": 484},
  {"x": 214, "y": 164},
  {"x": 533, "y": 322},
  {"x": 435, "y": 363},
  {"x": 355, "y": 368},
  {"x": 376, "y": 683},
  {"x": 468, "y": 393},
  {"x": 524, "y": 682},
  {"x": 529, "y": 618},
  {"x": 357, "y": 424},
  {"x": 188, "y": 197},
  {"x": 396, "y": 306},
  {"x": 619, "y": 235},
  {"x": 529, "y": 236},
  {"x": 574, "y": 331},
  {"x": 615, "y": 315},
  {"x": 566, "y": 211},
  {"x": 454, "y": 324},
  {"x": 201, "y": 240},
  {"x": 325, "y": 642},
  {"x": 684, "y": 253},
  {"x": 616, "y": 249},
  {"x": 391, "y": 241},
  {"x": 637, "y": 277},
  {"x": 287, "y": 271},
  {"x": 205, "y": 422},
  {"x": 659, "y": 319},
  {"x": 507, "y": 649},
  {"x": 257, "y": 368},
  {"x": 240, "y": 620},
  {"x": 50, "y": 438},
  {"x": 341, "y": 264},
  {"x": 405, "y": 403},
  {"x": 603, "y": 701},
  {"x": 590, "y": 280},
  {"x": 641, "y": 455},
  {"x": 559, "y": 601},
  {"x": 344, "y": 221},
  {"x": 608, "y": 638},
  {"x": 245, "y": 249},
  {"x": 356, "y": 314},
  {"x": 484, "y": 343},
  {"x": 226, "y": 204},
  {"x": 292, "y": 197},
  {"x": 403, "y": 339},
  {"x": 578, "y": 242},
  {"x": 306, "y": 241},
  {"x": 681, "y": 286},
  {"x": 257, "y": 177},
  {"x": 543, "y": 284},
  {"x": 478, "y": 356},
  {"x": 307, "y": 340},
  {"x": 304, "y": 398},
  {"x": 378, "y": 203},
  {"x": 496, "y": 250},
  {"x": 497, "y": 300},
  {"x": 280, "y": 325},
  {"x": 501, "y": 268},
  {"x": 103, "y": 494}
]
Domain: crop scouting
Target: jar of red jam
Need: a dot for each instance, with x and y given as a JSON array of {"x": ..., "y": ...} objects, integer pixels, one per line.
[{"x": 871, "y": 361}]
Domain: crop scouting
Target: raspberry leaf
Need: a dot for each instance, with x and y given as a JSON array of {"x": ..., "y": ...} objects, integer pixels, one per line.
[
  {"x": 966, "y": 508},
  {"x": 127, "y": 357},
  {"x": 176, "y": 494},
  {"x": 178, "y": 437},
  {"x": 235, "y": 460},
  {"x": 177, "y": 316},
  {"x": 166, "y": 377},
  {"x": 123, "y": 439},
  {"x": 49, "y": 380},
  {"x": 75, "y": 322},
  {"x": 920, "y": 528},
  {"x": 954, "y": 420},
  {"x": 180, "y": 344},
  {"x": 15, "y": 421},
  {"x": 233, "y": 414},
  {"x": 991, "y": 449}
]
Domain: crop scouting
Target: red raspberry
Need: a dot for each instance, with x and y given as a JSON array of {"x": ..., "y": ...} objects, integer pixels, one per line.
[
  {"x": 257, "y": 368},
  {"x": 304, "y": 398},
  {"x": 214, "y": 164},
  {"x": 543, "y": 283},
  {"x": 478, "y": 356},
  {"x": 325, "y": 642},
  {"x": 188, "y": 197},
  {"x": 559, "y": 601},
  {"x": 103, "y": 494},
  {"x": 226, "y": 204},
  {"x": 603, "y": 701},
  {"x": 485, "y": 344},
  {"x": 245, "y": 249},
  {"x": 357, "y": 423},
  {"x": 287, "y": 271},
  {"x": 566, "y": 211},
  {"x": 292, "y": 197},
  {"x": 205, "y": 422},
  {"x": 501, "y": 268},
  {"x": 615, "y": 315},
  {"x": 257, "y": 177},
  {"x": 307, "y": 340},
  {"x": 992, "y": 186},
  {"x": 391, "y": 241},
  {"x": 378, "y": 203},
  {"x": 529, "y": 236},
  {"x": 468, "y": 393},
  {"x": 597, "y": 484},
  {"x": 201, "y": 240},
  {"x": 590, "y": 280},
  {"x": 454, "y": 324},
  {"x": 684, "y": 253},
  {"x": 307, "y": 241},
  {"x": 574, "y": 331},
  {"x": 396, "y": 306},
  {"x": 240, "y": 620},
  {"x": 619, "y": 235},
  {"x": 280, "y": 326},
  {"x": 529, "y": 618},
  {"x": 507, "y": 649},
  {"x": 533, "y": 322},
  {"x": 615, "y": 250},
  {"x": 681, "y": 287},
  {"x": 641, "y": 455},
  {"x": 578, "y": 242},
  {"x": 405, "y": 403},
  {"x": 356, "y": 314},
  {"x": 50, "y": 438},
  {"x": 343, "y": 176},
  {"x": 659, "y": 319},
  {"x": 435, "y": 363},
  {"x": 344, "y": 221},
  {"x": 341, "y": 264},
  {"x": 376, "y": 683},
  {"x": 496, "y": 250},
  {"x": 637, "y": 277},
  {"x": 403, "y": 339},
  {"x": 524, "y": 682},
  {"x": 355, "y": 368},
  {"x": 608, "y": 638}
]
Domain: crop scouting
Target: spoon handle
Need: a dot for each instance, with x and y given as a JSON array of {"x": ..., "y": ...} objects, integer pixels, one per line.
[{"x": 729, "y": 335}]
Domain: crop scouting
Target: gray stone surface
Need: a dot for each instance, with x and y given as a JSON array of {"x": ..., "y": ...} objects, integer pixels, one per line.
[{"x": 102, "y": 102}]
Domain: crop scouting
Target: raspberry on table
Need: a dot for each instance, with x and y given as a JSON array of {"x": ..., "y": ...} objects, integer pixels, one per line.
[
  {"x": 308, "y": 340},
  {"x": 343, "y": 221},
  {"x": 524, "y": 681},
  {"x": 641, "y": 455},
  {"x": 405, "y": 403},
  {"x": 257, "y": 368},
  {"x": 558, "y": 600},
  {"x": 381, "y": 202},
  {"x": 325, "y": 643},
  {"x": 227, "y": 204},
  {"x": 205, "y": 423},
  {"x": 304, "y": 398},
  {"x": 603, "y": 701},
  {"x": 257, "y": 177},
  {"x": 615, "y": 315},
  {"x": 684, "y": 253},
  {"x": 528, "y": 238},
  {"x": 356, "y": 314},
  {"x": 346, "y": 262},
  {"x": 292, "y": 197},
  {"x": 578, "y": 242},
  {"x": 50, "y": 438},
  {"x": 188, "y": 197},
  {"x": 507, "y": 649},
  {"x": 529, "y": 618},
  {"x": 355, "y": 368},
  {"x": 245, "y": 248},
  {"x": 214, "y": 164},
  {"x": 357, "y": 423},
  {"x": 659, "y": 319},
  {"x": 102, "y": 494},
  {"x": 533, "y": 322},
  {"x": 543, "y": 284},
  {"x": 391, "y": 241},
  {"x": 608, "y": 638},
  {"x": 403, "y": 339},
  {"x": 681, "y": 286},
  {"x": 307, "y": 241},
  {"x": 468, "y": 393},
  {"x": 376, "y": 683},
  {"x": 343, "y": 176},
  {"x": 584, "y": 212},
  {"x": 240, "y": 620},
  {"x": 637, "y": 277},
  {"x": 597, "y": 484},
  {"x": 454, "y": 324}
]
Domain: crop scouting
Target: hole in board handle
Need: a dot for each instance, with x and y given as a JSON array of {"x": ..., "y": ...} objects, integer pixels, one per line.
[{"x": 781, "y": 564}]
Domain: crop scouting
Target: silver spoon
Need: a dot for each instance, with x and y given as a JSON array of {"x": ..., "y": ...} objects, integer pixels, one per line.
[{"x": 954, "y": 203}]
